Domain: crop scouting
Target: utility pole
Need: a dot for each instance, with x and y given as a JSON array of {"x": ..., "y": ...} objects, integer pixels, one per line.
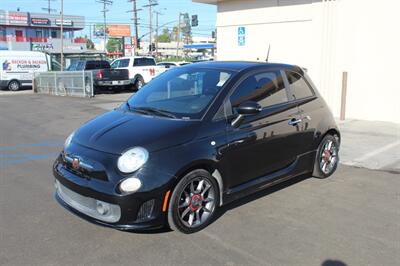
[
  {"x": 157, "y": 28},
  {"x": 150, "y": 6},
  {"x": 104, "y": 11},
  {"x": 62, "y": 35},
  {"x": 178, "y": 35},
  {"x": 49, "y": 9},
  {"x": 135, "y": 20}
]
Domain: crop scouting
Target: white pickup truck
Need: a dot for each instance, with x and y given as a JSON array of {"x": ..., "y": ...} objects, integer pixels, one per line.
[{"x": 142, "y": 69}]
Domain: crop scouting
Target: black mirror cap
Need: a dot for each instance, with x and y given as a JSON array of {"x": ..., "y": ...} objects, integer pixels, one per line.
[{"x": 248, "y": 108}]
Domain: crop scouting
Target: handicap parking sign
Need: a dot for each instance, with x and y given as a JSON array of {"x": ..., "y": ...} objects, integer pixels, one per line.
[{"x": 241, "y": 36}]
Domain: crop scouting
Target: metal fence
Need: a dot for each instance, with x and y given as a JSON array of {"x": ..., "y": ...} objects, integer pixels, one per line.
[{"x": 64, "y": 83}]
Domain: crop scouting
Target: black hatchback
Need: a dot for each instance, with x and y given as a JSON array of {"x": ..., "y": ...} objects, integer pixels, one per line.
[{"x": 193, "y": 139}]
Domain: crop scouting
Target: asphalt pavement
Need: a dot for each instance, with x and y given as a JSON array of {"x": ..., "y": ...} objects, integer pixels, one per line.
[{"x": 352, "y": 218}]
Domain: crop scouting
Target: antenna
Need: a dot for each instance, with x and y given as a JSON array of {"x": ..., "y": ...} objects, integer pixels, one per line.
[
  {"x": 269, "y": 49},
  {"x": 48, "y": 8}
]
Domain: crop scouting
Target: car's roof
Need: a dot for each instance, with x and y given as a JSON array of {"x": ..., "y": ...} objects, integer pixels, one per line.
[
  {"x": 241, "y": 65},
  {"x": 134, "y": 57}
]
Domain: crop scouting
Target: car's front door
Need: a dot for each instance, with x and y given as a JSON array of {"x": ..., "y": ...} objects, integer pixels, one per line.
[{"x": 268, "y": 141}]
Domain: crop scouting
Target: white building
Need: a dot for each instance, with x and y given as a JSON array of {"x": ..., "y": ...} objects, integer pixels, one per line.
[{"x": 327, "y": 37}]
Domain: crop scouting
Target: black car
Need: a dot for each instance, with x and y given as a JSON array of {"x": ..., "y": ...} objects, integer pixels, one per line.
[
  {"x": 196, "y": 138},
  {"x": 104, "y": 77}
]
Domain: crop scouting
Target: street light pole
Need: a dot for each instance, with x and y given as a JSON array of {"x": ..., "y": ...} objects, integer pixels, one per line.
[
  {"x": 157, "y": 28},
  {"x": 62, "y": 35},
  {"x": 178, "y": 36}
]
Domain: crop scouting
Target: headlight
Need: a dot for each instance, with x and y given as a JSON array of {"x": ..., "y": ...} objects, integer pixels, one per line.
[
  {"x": 69, "y": 140},
  {"x": 132, "y": 160},
  {"x": 130, "y": 185}
]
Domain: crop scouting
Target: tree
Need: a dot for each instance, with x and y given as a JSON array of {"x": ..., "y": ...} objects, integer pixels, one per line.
[
  {"x": 165, "y": 36},
  {"x": 113, "y": 45},
  {"x": 89, "y": 43}
]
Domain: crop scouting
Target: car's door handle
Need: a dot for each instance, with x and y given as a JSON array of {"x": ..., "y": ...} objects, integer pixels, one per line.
[{"x": 294, "y": 121}]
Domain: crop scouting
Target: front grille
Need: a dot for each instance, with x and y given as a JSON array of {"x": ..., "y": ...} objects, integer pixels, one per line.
[
  {"x": 146, "y": 211},
  {"x": 85, "y": 172},
  {"x": 110, "y": 212}
]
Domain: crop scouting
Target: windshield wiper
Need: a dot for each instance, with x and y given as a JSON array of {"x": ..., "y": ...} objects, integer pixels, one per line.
[{"x": 152, "y": 110}]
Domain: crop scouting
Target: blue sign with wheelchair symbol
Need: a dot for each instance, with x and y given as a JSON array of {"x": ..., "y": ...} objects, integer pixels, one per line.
[{"x": 241, "y": 36}]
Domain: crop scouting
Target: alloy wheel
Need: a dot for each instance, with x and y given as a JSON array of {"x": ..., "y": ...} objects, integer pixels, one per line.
[
  {"x": 196, "y": 203},
  {"x": 328, "y": 158}
]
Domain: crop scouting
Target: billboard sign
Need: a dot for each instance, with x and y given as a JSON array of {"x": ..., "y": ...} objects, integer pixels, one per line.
[
  {"x": 112, "y": 30},
  {"x": 119, "y": 30}
]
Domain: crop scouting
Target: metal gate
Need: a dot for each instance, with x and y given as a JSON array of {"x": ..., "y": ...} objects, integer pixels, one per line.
[{"x": 64, "y": 83}]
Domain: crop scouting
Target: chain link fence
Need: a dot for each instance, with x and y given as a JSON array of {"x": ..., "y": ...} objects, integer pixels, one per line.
[{"x": 64, "y": 83}]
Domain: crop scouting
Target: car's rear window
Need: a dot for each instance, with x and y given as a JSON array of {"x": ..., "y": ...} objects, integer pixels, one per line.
[{"x": 144, "y": 62}]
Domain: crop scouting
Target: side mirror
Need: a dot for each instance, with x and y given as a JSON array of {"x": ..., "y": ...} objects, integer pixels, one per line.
[
  {"x": 249, "y": 108},
  {"x": 246, "y": 108}
]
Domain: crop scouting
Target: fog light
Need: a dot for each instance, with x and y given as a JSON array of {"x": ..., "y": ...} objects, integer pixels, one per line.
[
  {"x": 130, "y": 185},
  {"x": 102, "y": 208}
]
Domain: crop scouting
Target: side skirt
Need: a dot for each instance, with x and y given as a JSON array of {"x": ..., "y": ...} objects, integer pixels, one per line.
[{"x": 302, "y": 165}]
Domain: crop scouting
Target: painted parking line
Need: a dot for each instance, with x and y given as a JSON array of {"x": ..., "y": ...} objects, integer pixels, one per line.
[
  {"x": 16, "y": 155},
  {"x": 46, "y": 144},
  {"x": 377, "y": 151}
]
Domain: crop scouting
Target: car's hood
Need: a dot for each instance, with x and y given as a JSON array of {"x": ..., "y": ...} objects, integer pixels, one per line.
[{"x": 119, "y": 130}]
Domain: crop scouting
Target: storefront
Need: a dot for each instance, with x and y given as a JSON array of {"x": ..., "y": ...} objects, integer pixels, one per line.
[{"x": 23, "y": 31}]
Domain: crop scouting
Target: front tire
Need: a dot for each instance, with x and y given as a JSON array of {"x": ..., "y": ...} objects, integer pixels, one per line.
[
  {"x": 14, "y": 85},
  {"x": 327, "y": 158},
  {"x": 194, "y": 202}
]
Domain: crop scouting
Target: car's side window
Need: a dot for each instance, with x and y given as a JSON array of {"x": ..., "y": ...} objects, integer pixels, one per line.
[
  {"x": 299, "y": 87},
  {"x": 266, "y": 88},
  {"x": 115, "y": 64},
  {"x": 124, "y": 63}
]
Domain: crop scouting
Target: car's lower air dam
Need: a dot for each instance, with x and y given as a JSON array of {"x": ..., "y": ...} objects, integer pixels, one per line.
[{"x": 97, "y": 209}]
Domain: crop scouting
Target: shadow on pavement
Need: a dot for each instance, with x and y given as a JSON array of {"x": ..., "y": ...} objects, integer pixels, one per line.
[{"x": 333, "y": 263}]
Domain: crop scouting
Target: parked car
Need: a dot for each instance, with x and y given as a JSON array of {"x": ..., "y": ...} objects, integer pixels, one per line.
[
  {"x": 169, "y": 65},
  {"x": 104, "y": 77},
  {"x": 142, "y": 69},
  {"x": 18, "y": 68},
  {"x": 197, "y": 138}
]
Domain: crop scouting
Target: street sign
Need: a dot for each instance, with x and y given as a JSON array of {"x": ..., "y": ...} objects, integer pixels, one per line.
[{"x": 241, "y": 36}]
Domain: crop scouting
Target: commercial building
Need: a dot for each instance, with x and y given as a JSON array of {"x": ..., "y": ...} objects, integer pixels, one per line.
[
  {"x": 25, "y": 31},
  {"x": 328, "y": 38}
]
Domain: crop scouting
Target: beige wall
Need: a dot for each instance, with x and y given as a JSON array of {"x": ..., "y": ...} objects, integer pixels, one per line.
[{"x": 326, "y": 37}]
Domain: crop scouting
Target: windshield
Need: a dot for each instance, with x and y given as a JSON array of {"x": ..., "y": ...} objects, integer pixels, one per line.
[{"x": 183, "y": 92}]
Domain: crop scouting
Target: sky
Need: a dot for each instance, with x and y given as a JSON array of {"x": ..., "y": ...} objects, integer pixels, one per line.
[{"x": 118, "y": 15}]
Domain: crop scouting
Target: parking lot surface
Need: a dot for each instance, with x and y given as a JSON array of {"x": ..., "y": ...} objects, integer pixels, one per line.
[{"x": 352, "y": 217}]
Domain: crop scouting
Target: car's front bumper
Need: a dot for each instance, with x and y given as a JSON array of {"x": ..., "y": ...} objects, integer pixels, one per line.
[{"x": 137, "y": 211}]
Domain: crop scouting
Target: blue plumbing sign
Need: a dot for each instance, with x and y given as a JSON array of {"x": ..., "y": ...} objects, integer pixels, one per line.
[{"x": 241, "y": 36}]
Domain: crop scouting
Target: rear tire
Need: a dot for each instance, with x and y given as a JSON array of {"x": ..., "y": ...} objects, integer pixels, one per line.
[
  {"x": 327, "y": 157},
  {"x": 139, "y": 83},
  {"x": 194, "y": 202},
  {"x": 14, "y": 85}
]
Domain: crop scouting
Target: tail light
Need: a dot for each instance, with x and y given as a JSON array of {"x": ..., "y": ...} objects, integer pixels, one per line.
[{"x": 99, "y": 74}]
